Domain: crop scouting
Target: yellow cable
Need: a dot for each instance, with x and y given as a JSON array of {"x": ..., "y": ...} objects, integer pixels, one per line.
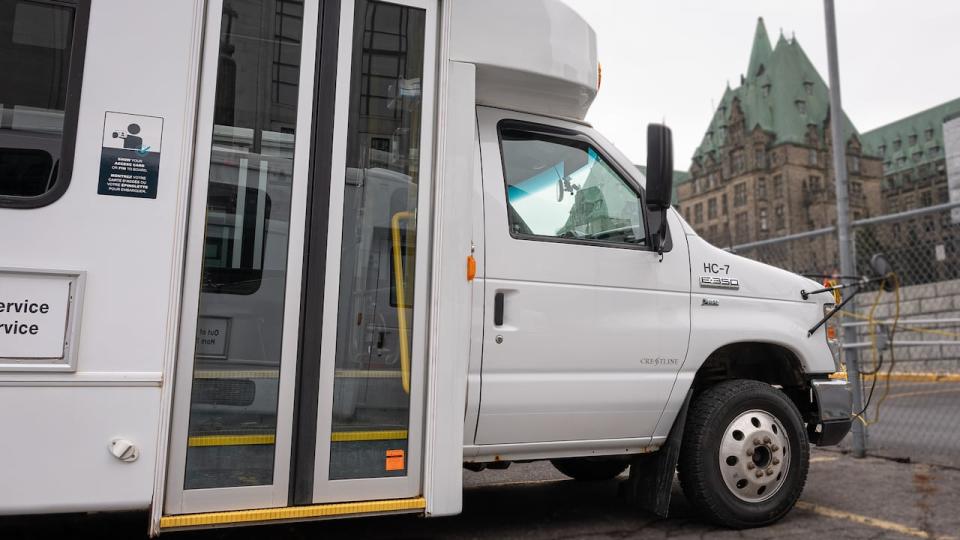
[{"x": 401, "y": 298}]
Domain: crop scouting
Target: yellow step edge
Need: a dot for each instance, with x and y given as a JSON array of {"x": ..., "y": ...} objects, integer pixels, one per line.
[
  {"x": 336, "y": 436},
  {"x": 292, "y": 513}
]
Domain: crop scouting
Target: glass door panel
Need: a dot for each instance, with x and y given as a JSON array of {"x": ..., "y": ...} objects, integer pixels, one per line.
[
  {"x": 371, "y": 391},
  {"x": 369, "y": 426},
  {"x": 241, "y": 309}
]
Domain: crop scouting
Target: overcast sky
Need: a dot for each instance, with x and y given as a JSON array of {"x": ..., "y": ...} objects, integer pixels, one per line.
[{"x": 671, "y": 60}]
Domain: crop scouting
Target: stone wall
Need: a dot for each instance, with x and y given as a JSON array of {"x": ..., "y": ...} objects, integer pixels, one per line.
[{"x": 940, "y": 300}]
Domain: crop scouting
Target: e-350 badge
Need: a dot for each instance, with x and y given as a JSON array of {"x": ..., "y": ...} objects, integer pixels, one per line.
[{"x": 717, "y": 282}]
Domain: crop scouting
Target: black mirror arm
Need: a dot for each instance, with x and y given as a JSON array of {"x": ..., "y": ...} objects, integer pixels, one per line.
[
  {"x": 833, "y": 312},
  {"x": 662, "y": 233}
]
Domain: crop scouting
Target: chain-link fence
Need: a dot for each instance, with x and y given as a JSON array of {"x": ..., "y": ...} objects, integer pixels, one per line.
[{"x": 907, "y": 330}]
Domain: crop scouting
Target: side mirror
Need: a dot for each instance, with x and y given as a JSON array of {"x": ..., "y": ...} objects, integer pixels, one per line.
[{"x": 659, "y": 178}]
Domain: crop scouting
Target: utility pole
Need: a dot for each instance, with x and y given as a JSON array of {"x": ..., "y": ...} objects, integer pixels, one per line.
[{"x": 847, "y": 260}]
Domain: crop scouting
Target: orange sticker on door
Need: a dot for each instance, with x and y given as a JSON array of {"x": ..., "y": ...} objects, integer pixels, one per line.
[{"x": 394, "y": 460}]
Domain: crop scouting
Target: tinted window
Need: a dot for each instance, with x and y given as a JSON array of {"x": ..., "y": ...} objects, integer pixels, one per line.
[
  {"x": 40, "y": 62},
  {"x": 563, "y": 188}
]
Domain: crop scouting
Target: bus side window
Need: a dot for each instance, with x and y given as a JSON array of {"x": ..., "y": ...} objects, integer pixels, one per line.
[
  {"x": 41, "y": 58},
  {"x": 561, "y": 187}
]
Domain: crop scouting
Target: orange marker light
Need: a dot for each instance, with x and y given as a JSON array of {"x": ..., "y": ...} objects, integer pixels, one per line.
[{"x": 471, "y": 268}]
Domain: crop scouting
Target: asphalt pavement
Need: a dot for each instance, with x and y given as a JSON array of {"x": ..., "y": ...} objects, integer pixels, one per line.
[
  {"x": 844, "y": 498},
  {"x": 917, "y": 421}
]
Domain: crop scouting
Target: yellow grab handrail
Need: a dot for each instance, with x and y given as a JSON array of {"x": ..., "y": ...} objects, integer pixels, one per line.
[{"x": 401, "y": 298}]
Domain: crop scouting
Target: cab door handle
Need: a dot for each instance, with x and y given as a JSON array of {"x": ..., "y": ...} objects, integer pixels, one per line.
[{"x": 498, "y": 309}]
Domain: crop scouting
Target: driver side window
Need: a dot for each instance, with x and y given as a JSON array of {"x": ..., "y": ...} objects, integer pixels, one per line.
[{"x": 561, "y": 187}]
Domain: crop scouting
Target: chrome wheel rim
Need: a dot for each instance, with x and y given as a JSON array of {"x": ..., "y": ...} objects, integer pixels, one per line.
[{"x": 754, "y": 456}]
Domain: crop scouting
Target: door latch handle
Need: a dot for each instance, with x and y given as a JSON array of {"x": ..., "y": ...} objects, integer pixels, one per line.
[{"x": 498, "y": 309}]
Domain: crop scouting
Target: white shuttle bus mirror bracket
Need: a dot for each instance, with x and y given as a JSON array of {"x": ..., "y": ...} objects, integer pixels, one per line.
[{"x": 40, "y": 319}]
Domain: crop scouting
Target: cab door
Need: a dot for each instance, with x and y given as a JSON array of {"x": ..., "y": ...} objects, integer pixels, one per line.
[{"x": 585, "y": 326}]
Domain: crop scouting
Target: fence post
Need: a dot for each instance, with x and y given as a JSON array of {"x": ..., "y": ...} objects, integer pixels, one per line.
[{"x": 843, "y": 215}]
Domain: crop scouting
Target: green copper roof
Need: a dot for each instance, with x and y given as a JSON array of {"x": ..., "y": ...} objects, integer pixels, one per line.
[
  {"x": 782, "y": 93},
  {"x": 761, "y": 50},
  {"x": 924, "y": 128}
]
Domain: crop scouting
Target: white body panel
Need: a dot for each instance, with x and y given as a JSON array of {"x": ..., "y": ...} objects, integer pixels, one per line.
[
  {"x": 59, "y": 426},
  {"x": 450, "y": 308}
]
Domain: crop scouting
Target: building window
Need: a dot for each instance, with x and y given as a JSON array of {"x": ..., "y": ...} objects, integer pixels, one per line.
[
  {"x": 912, "y": 140},
  {"x": 686, "y": 213},
  {"x": 698, "y": 213},
  {"x": 855, "y": 164},
  {"x": 814, "y": 183},
  {"x": 763, "y": 220},
  {"x": 712, "y": 208},
  {"x": 740, "y": 227},
  {"x": 740, "y": 194},
  {"x": 812, "y": 157},
  {"x": 801, "y": 106},
  {"x": 761, "y": 158},
  {"x": 856, "y": 188},
  {"x": 737, "y": 160},
  {"x": 917, "y": 156},
  {"x": 883, "y": 149},
  {"x": 779, "y": 218},
  {"x": 928, "y": 134},
  {"x": 896, "y": 144},
  {"x": 926, "y": 198},
  {"x": 766, "y": 90},
  {"x": 778, "y": 186},
  {"x": 762, "y": 188},
  {"x": 724, "y": 204},
  {"x": 41, "y": 58}
]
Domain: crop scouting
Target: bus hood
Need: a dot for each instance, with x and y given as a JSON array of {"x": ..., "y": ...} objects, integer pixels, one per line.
[{"x": 717, "y": 272}]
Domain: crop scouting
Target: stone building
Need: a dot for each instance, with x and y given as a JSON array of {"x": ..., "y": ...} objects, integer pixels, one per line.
[
  {"x": 764, "y": 167},
  {"x": 916, "y": 174}
]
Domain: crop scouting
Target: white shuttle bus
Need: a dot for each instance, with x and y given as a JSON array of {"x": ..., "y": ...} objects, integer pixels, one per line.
[{"x": 274, "y": 260}]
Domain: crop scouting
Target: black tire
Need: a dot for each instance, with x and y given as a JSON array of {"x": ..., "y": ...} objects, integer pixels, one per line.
[
  {"x": 719, "y": 495},
  {"x": 590, "y": 469}
]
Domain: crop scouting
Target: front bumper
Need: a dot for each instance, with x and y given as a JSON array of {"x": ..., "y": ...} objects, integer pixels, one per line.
[{"x": 834, "y": 409}]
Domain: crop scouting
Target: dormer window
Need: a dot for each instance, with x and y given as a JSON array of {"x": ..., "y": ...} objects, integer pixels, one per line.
[
  {"x": 928, "y": 134},
  {"x": 801, "y": 106},
  {"x": 808, "y": 88},
  {"x": 883, "y": 149},
  {"x": 896, "y": 145},
  {"x": 912, "y": 140},
  {"x": 766, "y": 90}
]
